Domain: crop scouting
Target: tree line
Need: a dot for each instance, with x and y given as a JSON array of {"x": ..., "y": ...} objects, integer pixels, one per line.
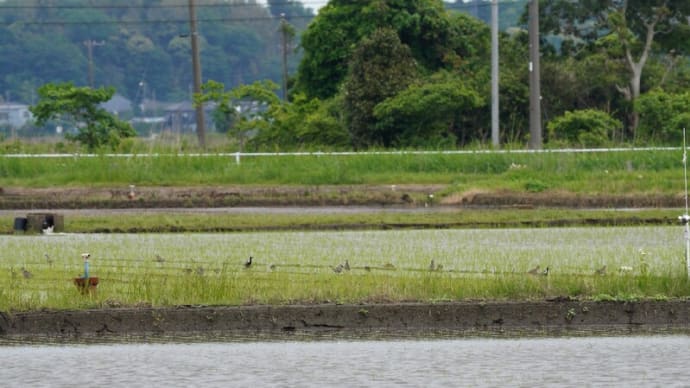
[
  {"x": 140, "y": 47},
  {"x": 416, "y": 73}
]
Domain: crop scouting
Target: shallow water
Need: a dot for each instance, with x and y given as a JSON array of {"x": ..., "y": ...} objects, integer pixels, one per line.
[{"x": 582, "y": 361}]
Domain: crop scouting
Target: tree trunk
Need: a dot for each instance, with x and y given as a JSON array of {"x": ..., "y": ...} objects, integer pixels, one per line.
[{"x": 636, "y": 68}]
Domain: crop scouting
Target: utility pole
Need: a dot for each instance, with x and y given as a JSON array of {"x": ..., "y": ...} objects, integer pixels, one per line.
[
  {"x": 535, "y": 138},
  {"x": 495, "y": 139},
  {"x": 196, "y": 68},
  {"x": 90, "y": 44},
  {"x": 283, "y": 34}
]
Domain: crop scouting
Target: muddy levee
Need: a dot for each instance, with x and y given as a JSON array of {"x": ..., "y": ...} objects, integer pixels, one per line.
[{"x": 464, "y": 318}]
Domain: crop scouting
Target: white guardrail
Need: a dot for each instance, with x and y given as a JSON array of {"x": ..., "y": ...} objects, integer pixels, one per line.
[{"x": 239, "y": 155}]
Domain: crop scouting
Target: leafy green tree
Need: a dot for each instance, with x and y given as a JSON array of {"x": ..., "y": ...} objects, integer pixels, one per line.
[
  {"x": 225, "y": 115},
  {"x": 381, "y": 67},
  {"x": 273, "y": 123},
  {"x": 514, "y": 91},
  {"x": 588, "y": 127},
  {"x": 570, "y": 84},
  {"x": 428, "y": 113},
  {"x": 324, "y": 124},
  {"x": 100, "y": 128},
  {"x": 627, "y": 30},
  {"x": 423, "y": 25},
  {"x": 662, "y": 116}
]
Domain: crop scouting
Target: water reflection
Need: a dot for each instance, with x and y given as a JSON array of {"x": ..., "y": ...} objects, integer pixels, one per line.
[{"x": 574, "y": 361}]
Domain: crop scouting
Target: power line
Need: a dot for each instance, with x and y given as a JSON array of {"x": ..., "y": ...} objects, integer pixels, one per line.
[
  {"x": 449, "y": 5},
  {"x": 153, "y": 21},
  {"x": 153, "y": 6}
]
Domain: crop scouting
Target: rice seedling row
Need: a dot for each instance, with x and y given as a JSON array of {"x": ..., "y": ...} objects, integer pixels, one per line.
[{"x": 306, "y": 267}]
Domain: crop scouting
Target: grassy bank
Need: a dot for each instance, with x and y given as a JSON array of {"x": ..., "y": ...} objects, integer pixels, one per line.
[
  {"x": 170, "y": 221},
  {"x": 649, "y": 171},
  {"x": 298, "y": 267}
]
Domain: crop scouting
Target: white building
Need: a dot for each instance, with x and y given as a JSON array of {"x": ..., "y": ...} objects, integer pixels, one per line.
[{"x": 14, "y": 115}]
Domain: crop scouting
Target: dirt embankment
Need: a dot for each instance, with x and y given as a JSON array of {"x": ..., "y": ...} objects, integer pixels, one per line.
[
  {"x": 347, "y": 195},
  {"x": 465, "y": 318}
]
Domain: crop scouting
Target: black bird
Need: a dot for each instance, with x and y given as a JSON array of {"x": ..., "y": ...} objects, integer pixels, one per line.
[
  {"x": 546, "y": 272},
  {"x": 248, "y": 263}
]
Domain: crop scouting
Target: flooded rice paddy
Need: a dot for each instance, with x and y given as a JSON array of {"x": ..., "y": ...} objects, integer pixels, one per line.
[
  {"x": 647, "y": 361},
  {"x": 422, "y": 361},
  {"x": 209, "y": 268},
  {"x": 565, "y": 250}
]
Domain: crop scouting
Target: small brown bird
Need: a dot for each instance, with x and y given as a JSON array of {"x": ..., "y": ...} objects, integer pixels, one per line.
[
  {"x": 159, "y": 259},
  {"x": 26, "y": 274},
  {"x": 534, "y": 270},
  {"x": 338, "y": 268},
  {"x": 432, "y": 265},
  {"x": 601, "y": 271},
  {"x": 346, "y": 267}
]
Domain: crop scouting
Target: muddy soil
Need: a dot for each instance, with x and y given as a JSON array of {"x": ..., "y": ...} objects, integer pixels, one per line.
[
  {"x": 353, "y": 195},
  {"x": 214, "y": 196},
  {"x": 560, "y": 316}
]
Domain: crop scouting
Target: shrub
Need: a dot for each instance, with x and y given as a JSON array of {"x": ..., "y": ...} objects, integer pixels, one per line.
[
  {"x": 662, "y": 116},
  {"x": 589, "y": 127}
]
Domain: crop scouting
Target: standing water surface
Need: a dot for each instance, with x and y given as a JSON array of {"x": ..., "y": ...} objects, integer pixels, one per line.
[{"x": 580, "y": 361}]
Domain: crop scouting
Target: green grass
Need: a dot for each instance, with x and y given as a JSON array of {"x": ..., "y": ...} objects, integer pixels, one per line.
[
  {"x": 297, "y": 267},
  {"x": 370, "y": 219},
  {"x": 623, "y": 172}
]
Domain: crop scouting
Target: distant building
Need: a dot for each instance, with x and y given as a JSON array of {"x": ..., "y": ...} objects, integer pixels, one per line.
[
  {"x": 181, "y": 117},
  {"x": 118, "y": 105},
  {"x": 14, "y": 115}
]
